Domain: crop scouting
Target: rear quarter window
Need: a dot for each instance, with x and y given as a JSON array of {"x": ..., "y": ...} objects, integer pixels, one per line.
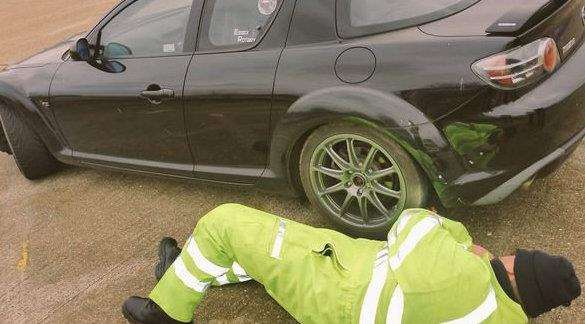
[
  {"x": 236, "y": 24},
  {"x": 359, "y": 17},
  {"x": 374, "y": 12}
]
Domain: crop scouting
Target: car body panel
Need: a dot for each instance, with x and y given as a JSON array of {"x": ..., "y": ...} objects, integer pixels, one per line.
[
  {"x": 228, "y": 103},
  {"x": 245, "y": 114},
  {"x": 435, "y": 12},
  {"x": 50, "y": 55},
  {"x": 104, "y": 119},
  {"x": 28, "y": 89},
  {"x": 479, "y": 18},
  {"x": 230, "y": 112},
  {"x": 422, "y": 140},
  {"x": 523, "y": 127},
  {"x": 476, "y": 19},
  {"x": 566, "y": 26}
]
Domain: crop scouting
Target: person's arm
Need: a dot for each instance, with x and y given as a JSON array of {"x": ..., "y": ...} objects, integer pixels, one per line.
[
  {"x": 412, "y": 216},
  {"x": 461, "y": 235},
  {"x": 457, "y": 230}
]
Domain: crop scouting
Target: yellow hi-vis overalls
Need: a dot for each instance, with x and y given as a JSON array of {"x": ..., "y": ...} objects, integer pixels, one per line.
[{"x": 424, "y": 273}]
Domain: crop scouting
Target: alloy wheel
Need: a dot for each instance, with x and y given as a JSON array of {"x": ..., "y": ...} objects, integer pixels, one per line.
[{"x": 357, "y": 180}]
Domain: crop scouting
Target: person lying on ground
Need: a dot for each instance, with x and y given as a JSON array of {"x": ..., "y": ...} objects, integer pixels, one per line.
[{"x": 428, "y": 271}]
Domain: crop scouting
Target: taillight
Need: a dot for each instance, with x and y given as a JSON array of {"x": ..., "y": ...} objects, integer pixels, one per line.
[{"x": 520, "y": 66}]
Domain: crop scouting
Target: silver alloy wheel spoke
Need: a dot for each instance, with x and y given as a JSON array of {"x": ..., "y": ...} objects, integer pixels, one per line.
[
  {"x": 338, "y": 187},
  {"x": 375, "y": 200},
  {"x": 357, "y": 180},
  {"x": 369, "y": 158},
  {"x": 353, "y": 159},
  {"x": 337, "y": 158},
  {"x": 385, "y": 191},
  {"x": 363, "y": 204},
  {"x": 336, "y": 174},
  {"x": 346, "y": 203},
  {"x": 382, "y": 173}
]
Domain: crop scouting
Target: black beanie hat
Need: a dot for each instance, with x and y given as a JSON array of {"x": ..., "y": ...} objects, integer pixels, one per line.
[{"x": 544, "y": 281}]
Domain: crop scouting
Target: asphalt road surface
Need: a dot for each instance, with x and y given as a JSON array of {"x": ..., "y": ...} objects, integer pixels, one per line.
[{"x": 75, "y": 245}]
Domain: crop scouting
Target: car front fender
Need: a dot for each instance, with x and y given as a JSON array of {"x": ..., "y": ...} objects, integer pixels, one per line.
[{"x": 27, "y": 90}]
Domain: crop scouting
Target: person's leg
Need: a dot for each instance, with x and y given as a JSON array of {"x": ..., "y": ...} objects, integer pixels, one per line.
[
  {"x": 208, "y": 258},
  {"x": 300, "y": 266},
  {"x": 317, "y": 275}
]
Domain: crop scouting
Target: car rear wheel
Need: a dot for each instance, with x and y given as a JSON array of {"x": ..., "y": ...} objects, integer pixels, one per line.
[
  {"x": 360, "y": 178},
  {"x": 30, "y": 153}
]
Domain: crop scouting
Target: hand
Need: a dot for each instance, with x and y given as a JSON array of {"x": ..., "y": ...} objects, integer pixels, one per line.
[{"x": 479, "y": 250}]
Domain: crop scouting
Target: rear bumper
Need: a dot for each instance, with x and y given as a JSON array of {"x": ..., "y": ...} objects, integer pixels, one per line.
[
  {"x": 503, "y": 139},
  {"x": 506, "y": 188}
]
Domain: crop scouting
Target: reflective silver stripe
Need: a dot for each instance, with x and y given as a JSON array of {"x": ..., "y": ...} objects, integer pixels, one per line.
[
  {"x": 223, "y": 280},
  {"x": 202, "y": 262},
  {"x": 372, "y": 296},
  {"x": 403, "y": 221},
  {"x": 187, "y": 278},
  {"x": 277, "y": 247},
  {"x": 418, "y": 232},
  {"x": 391, "y": 239},
  {"x": 396, "y": 306},
  {"x": 240, "y": 272},
  {"x": 481, "y": 313}
]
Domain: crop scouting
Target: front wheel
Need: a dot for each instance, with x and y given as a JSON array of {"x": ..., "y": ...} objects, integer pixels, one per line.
[
  {"x": 360, "y": 178},
  {"x": 4, "y": 146},
  {"x": 30, "y": 153}
]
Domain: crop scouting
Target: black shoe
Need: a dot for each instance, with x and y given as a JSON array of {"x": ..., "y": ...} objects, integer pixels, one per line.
[
  {"x": 144, "y": 311},
  {"x": 168, "y": 251}
]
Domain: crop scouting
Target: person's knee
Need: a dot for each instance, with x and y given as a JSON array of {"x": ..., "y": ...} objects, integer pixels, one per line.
[{"x": 220, "y": 216}]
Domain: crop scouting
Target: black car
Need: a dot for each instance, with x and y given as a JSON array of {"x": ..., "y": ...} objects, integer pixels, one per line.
[{"x": 367, "y": 107}]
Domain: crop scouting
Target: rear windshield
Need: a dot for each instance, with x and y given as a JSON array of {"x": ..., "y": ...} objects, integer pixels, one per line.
[
  {"x": 374, "y": 12},
  {"x": 365, "y": 17}
]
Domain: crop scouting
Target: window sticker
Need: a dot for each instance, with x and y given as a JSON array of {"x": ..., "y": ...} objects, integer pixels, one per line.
[
  {"x": 246, "y": 39},
  {"x": 267, "y": 7},
  {"x": 244, "y": 36},
  {"x": 169, "y": 48},
  {"x": 238, "y": 32}
]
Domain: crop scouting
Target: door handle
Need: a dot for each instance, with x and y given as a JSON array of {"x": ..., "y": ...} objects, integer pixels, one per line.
[{"x": 157, "y": 96}]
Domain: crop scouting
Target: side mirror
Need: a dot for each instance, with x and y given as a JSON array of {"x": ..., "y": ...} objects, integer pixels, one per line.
[{"x": 80, "y": 50}]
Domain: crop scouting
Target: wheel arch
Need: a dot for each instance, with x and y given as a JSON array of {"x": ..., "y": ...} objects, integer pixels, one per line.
[
  {"x": 14, "y": 98},
  {"x": 405, "y": 124}
]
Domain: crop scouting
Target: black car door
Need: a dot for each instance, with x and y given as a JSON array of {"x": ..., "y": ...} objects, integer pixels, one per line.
[
  {"x": 228, "y": 88},
  {"x": 132, "y": 116}
]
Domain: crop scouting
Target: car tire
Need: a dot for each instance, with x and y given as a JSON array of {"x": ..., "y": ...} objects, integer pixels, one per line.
[
  {"x": 4, "y": 147},
  {"x": 368, "y": 178},
  {"x": 30, "y": 153}
]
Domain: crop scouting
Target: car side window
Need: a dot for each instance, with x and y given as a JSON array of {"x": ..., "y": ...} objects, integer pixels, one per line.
[
  {"x": 147, "y": 28},
  {"x": 236, "y": 23}
]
